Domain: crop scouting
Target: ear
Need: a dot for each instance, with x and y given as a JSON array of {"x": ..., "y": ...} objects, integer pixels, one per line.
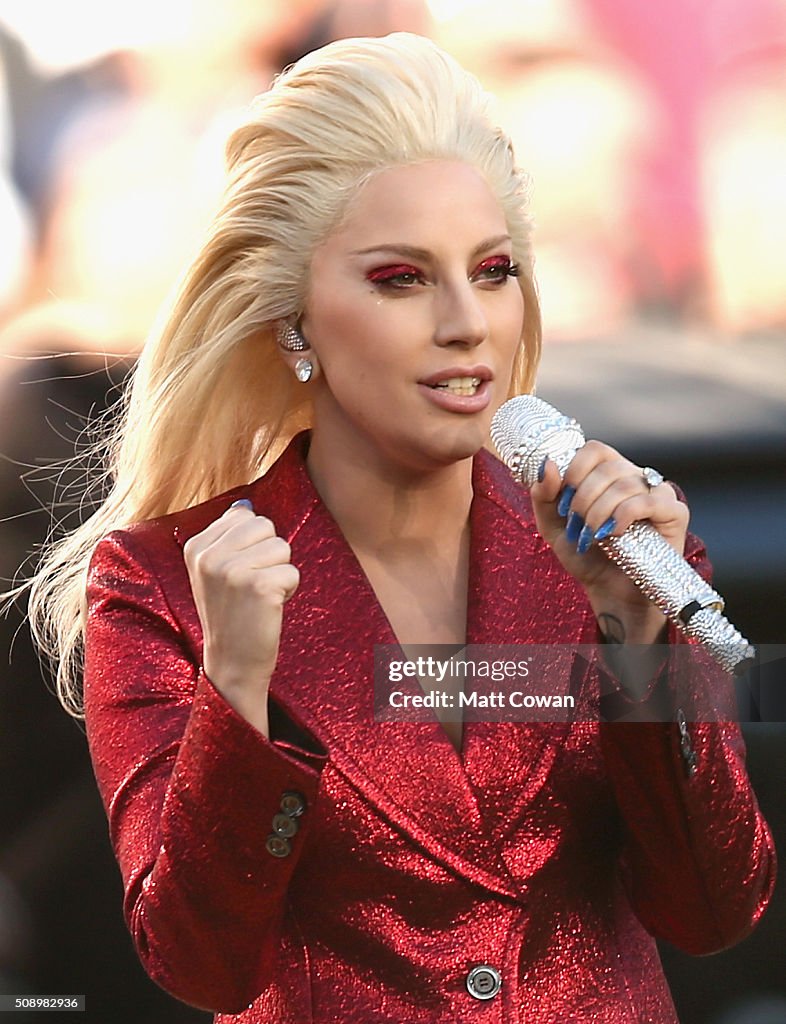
[{"x": 293, "y": 348}]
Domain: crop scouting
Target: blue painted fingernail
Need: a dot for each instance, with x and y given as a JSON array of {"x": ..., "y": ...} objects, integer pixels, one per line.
[
  {"x": 606, "y": 528},
  {"x": 574, "y": 527},
  {"x": 565, "y": 499},
  {"x": 542, "y": 470},
  {"x": 586, "y": 537},
  {"x": 242, "y": 503}
]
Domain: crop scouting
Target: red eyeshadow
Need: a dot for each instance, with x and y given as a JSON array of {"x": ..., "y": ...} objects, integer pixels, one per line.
[{"x": 385, "y": 272}]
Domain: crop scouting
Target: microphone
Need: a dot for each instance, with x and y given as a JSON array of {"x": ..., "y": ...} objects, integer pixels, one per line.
[{"x": 526, "y": 430}]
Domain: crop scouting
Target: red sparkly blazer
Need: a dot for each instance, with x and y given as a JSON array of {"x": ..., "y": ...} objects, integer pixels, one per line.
[{"x": 520, "y": 881}]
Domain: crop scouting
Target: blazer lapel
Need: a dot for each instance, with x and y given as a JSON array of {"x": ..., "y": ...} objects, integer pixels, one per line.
[
  {"x": 519, "y": 594},
  {"x": 325, "y": 677}
]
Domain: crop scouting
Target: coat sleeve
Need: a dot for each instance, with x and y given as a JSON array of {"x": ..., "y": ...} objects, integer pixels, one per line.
[
  {"x": 190, "y": 789},
  {"x": 698, "y": 860}
]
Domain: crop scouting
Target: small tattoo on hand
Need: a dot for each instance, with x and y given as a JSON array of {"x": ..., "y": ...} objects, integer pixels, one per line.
[{"x": 612, "y": 628}]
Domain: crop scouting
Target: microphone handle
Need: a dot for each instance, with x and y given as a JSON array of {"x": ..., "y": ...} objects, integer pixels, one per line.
[
  {"x": 525, "y": 430},
  {"x": 682, "y": 595}
]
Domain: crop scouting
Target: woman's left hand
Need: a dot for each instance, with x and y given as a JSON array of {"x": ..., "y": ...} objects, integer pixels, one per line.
[{"x": 601, "y": 495}]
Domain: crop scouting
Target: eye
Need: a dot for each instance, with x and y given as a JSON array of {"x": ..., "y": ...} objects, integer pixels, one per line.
[
  {"x": 400, "y": 276},
  {"x": 496, "y": 269}
]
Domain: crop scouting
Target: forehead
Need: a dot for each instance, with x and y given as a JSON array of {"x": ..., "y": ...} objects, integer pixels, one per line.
[{"x": 419, "y": 203}]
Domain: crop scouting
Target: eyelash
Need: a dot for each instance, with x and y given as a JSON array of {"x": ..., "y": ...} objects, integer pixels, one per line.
[{"x": 387, "y": 276}]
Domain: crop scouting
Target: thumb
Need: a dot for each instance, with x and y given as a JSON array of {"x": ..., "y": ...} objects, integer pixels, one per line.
[{"x": 544, "y": 495}]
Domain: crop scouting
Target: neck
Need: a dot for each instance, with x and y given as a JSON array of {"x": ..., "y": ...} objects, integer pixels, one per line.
[{"x": 382, "y": 506}]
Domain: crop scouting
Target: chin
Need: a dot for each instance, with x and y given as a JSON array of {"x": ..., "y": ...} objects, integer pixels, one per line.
[{"x": 455, "y": 445}]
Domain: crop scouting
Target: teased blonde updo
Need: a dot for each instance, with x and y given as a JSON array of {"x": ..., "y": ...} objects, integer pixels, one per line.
[{"x": 210, "y": 401}]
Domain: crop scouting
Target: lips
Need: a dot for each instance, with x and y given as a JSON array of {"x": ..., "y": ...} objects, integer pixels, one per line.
[
  {"x": 458, "y": 380},
  {"x": 459, "y": 385},
  {"x": 459, "y": 389}
]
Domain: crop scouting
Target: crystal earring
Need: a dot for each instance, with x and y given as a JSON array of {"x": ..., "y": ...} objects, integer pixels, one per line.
[
  {"x": 289, "y": 338},
  {"x": 304, "y": 368}
]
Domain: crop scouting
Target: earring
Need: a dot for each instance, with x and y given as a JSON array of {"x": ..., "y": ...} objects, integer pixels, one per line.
[
  {"x": 304, "y": 368},
  {"x": 289, "y": 338}
]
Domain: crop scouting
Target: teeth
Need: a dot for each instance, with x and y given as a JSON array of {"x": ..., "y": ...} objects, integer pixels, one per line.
[{"x": 460, "y": 385}]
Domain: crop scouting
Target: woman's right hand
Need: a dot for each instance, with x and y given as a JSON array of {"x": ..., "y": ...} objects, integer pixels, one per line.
[{"x": 241, "y": 576}]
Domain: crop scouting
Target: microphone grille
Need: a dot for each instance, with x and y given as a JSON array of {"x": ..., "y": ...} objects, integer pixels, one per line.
[{"x": 526, "y": 430}]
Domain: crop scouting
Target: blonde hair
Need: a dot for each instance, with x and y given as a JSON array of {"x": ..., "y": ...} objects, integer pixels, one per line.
[{"x": 210, "y": 402}]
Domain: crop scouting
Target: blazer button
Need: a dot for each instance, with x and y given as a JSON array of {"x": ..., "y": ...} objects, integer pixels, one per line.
[
  {"x": 293, "y": 804},
  {"x": 483, "y": 982},
  {"x": 283, "y": 825},
  {"x": 278, "y": 846}
]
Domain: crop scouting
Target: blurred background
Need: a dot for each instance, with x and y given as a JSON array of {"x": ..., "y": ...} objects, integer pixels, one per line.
[{"x": 655, "y": 135}]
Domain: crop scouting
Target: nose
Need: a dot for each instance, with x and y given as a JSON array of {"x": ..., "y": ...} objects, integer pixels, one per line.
[{"x": 460, "y": 316}]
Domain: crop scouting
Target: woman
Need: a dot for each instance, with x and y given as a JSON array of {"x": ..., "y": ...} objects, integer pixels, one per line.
[{"x": 285, "y": 856}]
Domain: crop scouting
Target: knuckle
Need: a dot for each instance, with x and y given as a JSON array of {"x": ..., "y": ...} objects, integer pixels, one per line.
[
  {"x": 291, "y": 575},
  {"x": 266, "y": 585},
  {"x": 265, "y": 526},
  {"x": 631, "y": 508},
  {"x": 191, "y": 549},
  {"x": 621, "y": 491},
  {"x": 682, "y": 514},
  {"x": 235, "y": 575},
  {"x": 205, "y": 565},
  {"x": 598, "y": 461},
  {"x": 280, "y": 549},
  {"x": 260, "y": 584},
  {"x": 610, "y": 472},
  {"x": 188, "y": 561},
  {"x": 599, "y": 449},
  {"x": 674, "y": 497}
]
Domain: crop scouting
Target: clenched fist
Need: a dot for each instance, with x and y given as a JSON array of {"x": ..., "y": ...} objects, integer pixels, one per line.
[{"x": 241, "y": 576}]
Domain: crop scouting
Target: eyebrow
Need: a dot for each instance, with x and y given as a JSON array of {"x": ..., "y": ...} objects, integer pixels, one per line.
[{"x": 423, "y": 254}]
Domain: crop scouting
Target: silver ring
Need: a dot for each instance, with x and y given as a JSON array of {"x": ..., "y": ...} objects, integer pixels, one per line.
[{"x": 652, "y": 478}]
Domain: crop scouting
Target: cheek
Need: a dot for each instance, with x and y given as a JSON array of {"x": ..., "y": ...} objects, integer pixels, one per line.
[
  {"x": 517, "y": 304},
  {"x": 366, "y": 331},
  {"x": 511, "y": 322}
]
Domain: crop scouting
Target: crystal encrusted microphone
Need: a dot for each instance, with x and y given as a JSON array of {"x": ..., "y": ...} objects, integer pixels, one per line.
[{"x": 525, "y": 431}]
